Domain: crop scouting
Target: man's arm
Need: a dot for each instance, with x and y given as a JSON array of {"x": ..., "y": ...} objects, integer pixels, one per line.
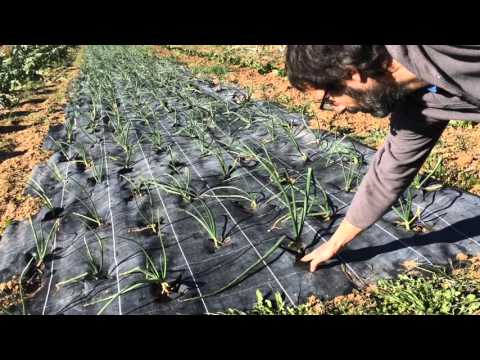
[{"x": 411, "y": 139}]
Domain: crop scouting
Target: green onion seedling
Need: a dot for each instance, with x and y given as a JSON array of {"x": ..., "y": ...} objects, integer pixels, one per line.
[
  {"x": 174, "y": 164},
  {"x": 157, "y": 141},
  {"x": 244, "y": 274},
  {"x": 61, "y": 146},
  {"x": 418, "y": 183},
  {"x": 227, "y": 170},
  {"x": 250, "y": 197},
  {"x": 152, "y": 275},
  {"x": 20, "y": 283},
  {"x": 177, "y": 186},
  {"x": 297, "y": 214},
  {"x": 350, "y": 174},
  {"x": 85, "y": 160},
  {"x": 40, "y": 192},
  {"x": 92, "y": 215},
  {"x": 267, "y": 164},
  {"x": 41, "y": 242},
  {"x": 98, "y": 171},
  {"x": 139, "y": 188},
  {"x": 405, "y": 212},
  {"x": 95, "y": 268},
  {"x": 206, "y": 220},
  {"x": 69, "y": 131},
  {"x": 57, "y": 174}
]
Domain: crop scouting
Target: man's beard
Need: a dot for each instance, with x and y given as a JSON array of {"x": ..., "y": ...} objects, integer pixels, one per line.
[{"x": 379, "y": 101}]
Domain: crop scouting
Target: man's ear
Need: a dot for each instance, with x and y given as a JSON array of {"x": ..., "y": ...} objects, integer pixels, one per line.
[{"x": 356, "y": 76}]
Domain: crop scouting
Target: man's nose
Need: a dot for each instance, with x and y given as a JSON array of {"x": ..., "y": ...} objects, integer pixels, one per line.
[
  {"x": 339, "y": 108},
  {"x": 318, "y": 95}
]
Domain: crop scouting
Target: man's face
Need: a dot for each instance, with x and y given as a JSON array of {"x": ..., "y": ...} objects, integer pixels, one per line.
[{"x": 374, "y": 96}]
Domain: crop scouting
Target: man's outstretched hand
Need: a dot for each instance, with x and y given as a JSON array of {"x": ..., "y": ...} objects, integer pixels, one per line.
[{"x": 345, "y": 233}]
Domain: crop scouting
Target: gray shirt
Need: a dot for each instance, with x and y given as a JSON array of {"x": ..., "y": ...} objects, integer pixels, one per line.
[{"x": 417, "y": 122}]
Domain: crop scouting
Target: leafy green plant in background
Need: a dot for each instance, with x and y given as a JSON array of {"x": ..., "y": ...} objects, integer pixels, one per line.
[{"x": 20, "y": 64}]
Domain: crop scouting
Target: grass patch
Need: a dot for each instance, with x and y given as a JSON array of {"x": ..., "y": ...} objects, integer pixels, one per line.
[
  {"x": 6, "y": 146},
  {"x": 462, "y": 124},
  {"x": 217, "y": 70}
]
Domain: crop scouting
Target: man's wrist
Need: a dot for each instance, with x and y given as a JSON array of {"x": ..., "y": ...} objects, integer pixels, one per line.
[{"x": 345, "y": 233}]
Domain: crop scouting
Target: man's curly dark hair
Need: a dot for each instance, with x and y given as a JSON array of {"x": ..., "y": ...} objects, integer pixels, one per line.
[{"x": 326, "y": 66}]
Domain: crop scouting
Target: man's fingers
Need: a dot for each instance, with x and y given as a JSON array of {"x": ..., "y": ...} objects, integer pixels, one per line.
[
  {"x": 307, "y": 257},
  {"x": 313, "y": 265}
]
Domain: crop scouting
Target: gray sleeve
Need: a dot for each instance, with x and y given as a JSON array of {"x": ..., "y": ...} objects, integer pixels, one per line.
[{"x": 412, "y": 137}]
